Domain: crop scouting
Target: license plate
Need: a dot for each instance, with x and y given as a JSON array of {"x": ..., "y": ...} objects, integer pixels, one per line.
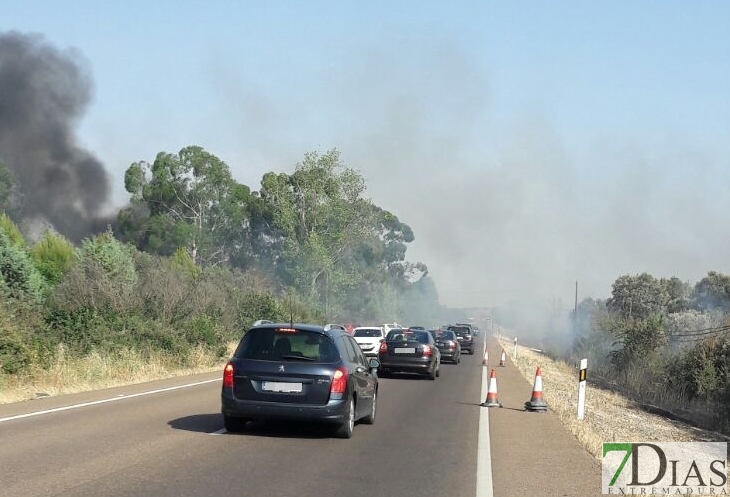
[
  {"x": 278, "y": 386},
  {"x": 405, "y": 350}
]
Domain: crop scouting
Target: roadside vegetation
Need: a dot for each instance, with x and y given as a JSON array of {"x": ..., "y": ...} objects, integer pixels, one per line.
[
  {"x": 661, "y": 342},
  {"x": 189, "y": 264}
]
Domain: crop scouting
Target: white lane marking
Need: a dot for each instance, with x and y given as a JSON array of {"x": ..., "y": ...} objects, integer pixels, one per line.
[
  {"x": 219, "y": 432},
  {"x": 104, "y": 401},
  {"x": 484, "y": 455}
]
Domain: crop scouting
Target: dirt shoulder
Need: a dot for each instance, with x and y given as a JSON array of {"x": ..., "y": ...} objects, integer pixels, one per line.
[{"x": 609, "y": 417}]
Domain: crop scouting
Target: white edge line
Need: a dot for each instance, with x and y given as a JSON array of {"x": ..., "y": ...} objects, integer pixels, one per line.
[
  {"x": 104, "y": 401},
  {"x": 484, "y": 455}
]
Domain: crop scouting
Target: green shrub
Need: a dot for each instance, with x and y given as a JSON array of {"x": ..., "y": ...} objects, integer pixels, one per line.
[
  {"x": 11, "y": 230},
  {"x": 254, "y": 306},
  {"x": 15, "y": 353},
  {"x": 15, "y": 356},
  {"x": 182, "y": 260},
  {"x": 202, "y": 330},
  {"x": 77, "y": 328},
  {"x": 53, "y": 256},
  {"x": 114, "y": 257},
  {"x": 22, "y": 279}
]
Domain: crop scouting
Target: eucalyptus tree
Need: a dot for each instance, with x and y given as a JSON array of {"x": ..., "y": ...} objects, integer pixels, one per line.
[
  {"x": 189, "y": 200},
  {"x": 318, "y": 218}
]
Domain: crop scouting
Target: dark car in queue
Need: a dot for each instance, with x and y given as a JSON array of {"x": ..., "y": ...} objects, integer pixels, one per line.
[
  {"x": 449, "y": 346},
  {"x": 299, "y": 372},
  {"x": 464, "y": 336},
  {"x": 409, "y": 351}
]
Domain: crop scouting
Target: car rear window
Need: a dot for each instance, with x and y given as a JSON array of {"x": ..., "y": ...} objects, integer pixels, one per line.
[
  {"x": 447, "y": 335},
  {"x": 405, "y": 335},
  {"x": 276, "y": 344},
  {"x": 368, "y": 333},
  {"x": 460, "y": 330}
]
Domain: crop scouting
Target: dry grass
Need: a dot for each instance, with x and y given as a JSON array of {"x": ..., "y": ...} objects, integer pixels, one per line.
[
  {"x": 608, "y": 417},
  {"x": 95, "y": 371}
]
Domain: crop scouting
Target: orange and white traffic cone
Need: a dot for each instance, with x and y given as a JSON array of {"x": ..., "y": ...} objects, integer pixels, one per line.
[
  {"x": 536, "y": 402},
  {"x": 502, "y": 359},
  {"x": 492, "y": 392},
  {"x": 485, "y": 360}
]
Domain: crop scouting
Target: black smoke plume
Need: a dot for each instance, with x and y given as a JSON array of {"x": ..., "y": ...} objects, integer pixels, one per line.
[{"x": 43, "y": 93}]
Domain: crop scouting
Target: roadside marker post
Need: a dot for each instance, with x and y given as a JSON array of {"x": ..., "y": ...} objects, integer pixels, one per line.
[
  {"x": 514, "y": 355},
  {"x": 582, "y": 388}
]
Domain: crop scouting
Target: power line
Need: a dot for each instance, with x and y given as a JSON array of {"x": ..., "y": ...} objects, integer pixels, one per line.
[{"x": 696, "y": 335}]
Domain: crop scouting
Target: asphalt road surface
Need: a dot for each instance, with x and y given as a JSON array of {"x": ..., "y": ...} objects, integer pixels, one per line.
[{"x": 166, "y": 438}]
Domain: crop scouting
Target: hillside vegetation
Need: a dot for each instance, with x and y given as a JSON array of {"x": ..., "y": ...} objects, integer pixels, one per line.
[{"x": 194, "y": 259}]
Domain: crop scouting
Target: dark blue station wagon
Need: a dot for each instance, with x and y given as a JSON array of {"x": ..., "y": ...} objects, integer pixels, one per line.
[{"x": 299, "y": 372}]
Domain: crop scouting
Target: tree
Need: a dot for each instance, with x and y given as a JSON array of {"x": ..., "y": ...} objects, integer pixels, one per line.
[
  {"x": 187, "y": 200},
  {"x": 319, "y": 217},
  {"x": 712, "y": 293},
  {"x": 678, "y": 294},
  {"x": 638, "y": 297},
  {"x": 638, "y": 339}
]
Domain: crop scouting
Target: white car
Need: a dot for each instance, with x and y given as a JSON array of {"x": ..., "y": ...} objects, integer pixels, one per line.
[{"x": 369, "y": 339}]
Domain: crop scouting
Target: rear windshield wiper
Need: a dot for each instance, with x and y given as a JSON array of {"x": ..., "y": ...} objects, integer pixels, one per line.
[{"x": 298, "y": 357}]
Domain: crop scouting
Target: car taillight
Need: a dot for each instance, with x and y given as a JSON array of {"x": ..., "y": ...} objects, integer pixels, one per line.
[
  {"x": 383, "y": 348},
  {"x": 427, "y": 351},
  {"x": 228, "y": 376},
  {"x": 452, "y": 345},
  {"x": 339, "y": 381}
]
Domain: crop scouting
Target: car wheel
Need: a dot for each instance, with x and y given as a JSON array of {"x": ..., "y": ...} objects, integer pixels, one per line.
[
  {"x": 370, "y": 418},
  {"x": 471, "y": 351},
  {"x": 458, "y": 359},
  {"x": 234, "y": 425},
  {"x": 433, "y": 374},
  {"x": 346, "y": 428}
]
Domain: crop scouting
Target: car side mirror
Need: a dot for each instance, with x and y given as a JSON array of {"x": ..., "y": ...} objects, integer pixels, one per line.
[
  {"x": 374, "y": 363},
  {"x": 382, "y": 340}
]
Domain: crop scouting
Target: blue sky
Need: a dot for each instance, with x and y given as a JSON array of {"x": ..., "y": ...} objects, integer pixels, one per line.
[{"x": 528, "y": 144}]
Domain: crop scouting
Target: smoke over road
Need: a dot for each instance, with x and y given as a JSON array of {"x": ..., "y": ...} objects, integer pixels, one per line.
[{"x": 43, "y": 94}]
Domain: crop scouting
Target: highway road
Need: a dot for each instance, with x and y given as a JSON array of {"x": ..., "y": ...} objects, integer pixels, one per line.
[
  {"x": 170, "y": 443},
  {"x": 166, "y": 438}
]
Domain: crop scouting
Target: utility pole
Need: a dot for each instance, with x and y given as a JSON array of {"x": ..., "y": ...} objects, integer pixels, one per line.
[{"x": 575, "y": 309}]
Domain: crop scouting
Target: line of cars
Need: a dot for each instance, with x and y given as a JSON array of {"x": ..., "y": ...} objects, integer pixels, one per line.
[{"x": 325, "y": 374}]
